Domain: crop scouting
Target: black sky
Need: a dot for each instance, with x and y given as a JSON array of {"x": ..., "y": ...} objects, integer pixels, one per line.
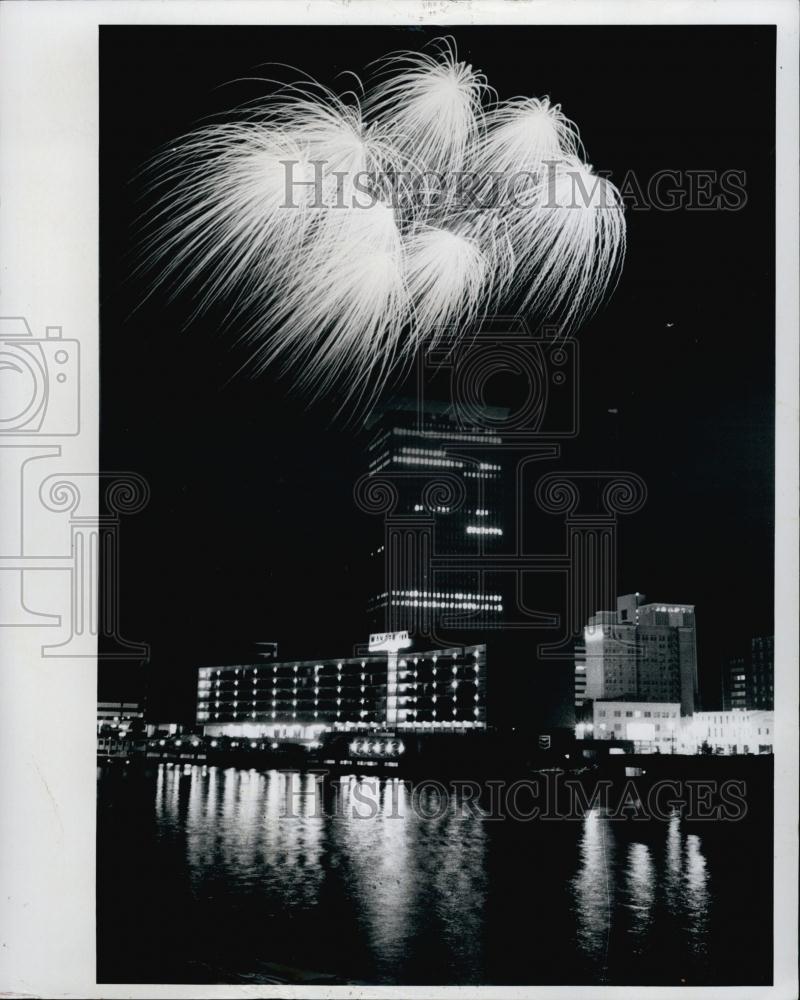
[{"x": 251, "y": 532}]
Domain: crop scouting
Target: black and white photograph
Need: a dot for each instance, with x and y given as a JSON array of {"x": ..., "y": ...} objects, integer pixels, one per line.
[{"x": 434, "y": 573}]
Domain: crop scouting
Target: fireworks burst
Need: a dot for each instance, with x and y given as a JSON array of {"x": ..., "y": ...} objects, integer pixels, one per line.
[{"x": 343, "y": 232}]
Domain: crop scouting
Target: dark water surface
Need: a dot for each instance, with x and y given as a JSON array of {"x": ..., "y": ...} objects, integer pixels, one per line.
[{"x": 202, "y": 877}]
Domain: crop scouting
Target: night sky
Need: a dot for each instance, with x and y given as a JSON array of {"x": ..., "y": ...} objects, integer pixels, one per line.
[{"x": 251, "y": 532}]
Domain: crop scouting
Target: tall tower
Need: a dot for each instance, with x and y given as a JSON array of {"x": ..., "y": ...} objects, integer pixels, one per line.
[{"x": 449, "y": 508}]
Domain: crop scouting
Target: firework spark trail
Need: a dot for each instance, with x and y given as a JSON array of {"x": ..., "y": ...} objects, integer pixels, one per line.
[
  {"x": 431, "y": 106},
  {"x": 569, "y": 243},
  {"x": 522, "y": 134},
  {"x": 306, "y": 217}
]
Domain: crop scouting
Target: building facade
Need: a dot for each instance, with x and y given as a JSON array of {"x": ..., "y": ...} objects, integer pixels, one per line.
[
  {"x": 439, "y": 691},
  {"x": 118, "y": 714},
  {"x": 652, "y": 727},
  {"x": 748, "y": 678},
  {"x": 737, "y": 731},
  {"x": 639, "y": 652},
  {"x": 450, "y": 505}
]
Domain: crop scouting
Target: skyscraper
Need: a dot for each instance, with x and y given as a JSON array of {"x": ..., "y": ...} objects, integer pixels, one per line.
[
  {"x": 748, "y": 678},
  {"x": 447, "y": 510},
  {"x": 640, "y": 652}
]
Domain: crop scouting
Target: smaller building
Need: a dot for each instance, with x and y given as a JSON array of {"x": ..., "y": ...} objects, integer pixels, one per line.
[
  {"x": 120, "y": 728},
  {"x": 118, "y": 715},
  {"x": 748, "y": 677},
  {"x": 651, "y": 726},
  {"x": 738, "y": 731}
]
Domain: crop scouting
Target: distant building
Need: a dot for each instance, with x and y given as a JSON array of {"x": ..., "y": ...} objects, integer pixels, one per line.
[
  {"x": 439, "y": 691},
  {"x": 748, "y": 678},
  {"x": 120, "y": 728},
  {"x": 415, "y": 445},
  {"x": 737, "y": 731},
  {"x": 652, "y": 727},
  {"x": 118, "y": 714},
  {"x": 639, "y": 652},
  {"x": 580, "y": 679}
]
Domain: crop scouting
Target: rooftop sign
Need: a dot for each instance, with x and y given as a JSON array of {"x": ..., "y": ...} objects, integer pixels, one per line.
[{"x": 388, "y": 641}]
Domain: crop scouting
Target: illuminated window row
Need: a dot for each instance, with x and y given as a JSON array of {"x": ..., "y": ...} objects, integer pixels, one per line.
[
  {"x": 436, "y": 452},
  {"x": 447, "y": 463},
  {"x": 449, "y": 595},
  {"x": 451, "y": 605},
  {"x": 475, "y": 438}
]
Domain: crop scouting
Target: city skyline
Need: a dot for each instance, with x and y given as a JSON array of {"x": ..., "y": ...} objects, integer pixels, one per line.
[{"x": 252, "y": 534}]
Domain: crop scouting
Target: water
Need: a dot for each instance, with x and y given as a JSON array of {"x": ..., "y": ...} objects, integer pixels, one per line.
[{"x": 202, "y": 877}]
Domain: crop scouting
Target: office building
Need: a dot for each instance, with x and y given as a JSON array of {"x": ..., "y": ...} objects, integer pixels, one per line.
[
  {"x": 748, "y": 677},
  {"x": 450, "y": 504},
  {"x": 652, "y": 726},
  {"x": 439, "y": 691},
  {"x": 639, "y": 652},
  {"x": 738, "y": 731}
]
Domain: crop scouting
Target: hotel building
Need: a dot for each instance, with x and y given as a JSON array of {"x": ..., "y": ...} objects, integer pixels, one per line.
[
  {"x": 639, "y": 652},
  {"x": 439, "y": 691},
  {"x": 461, "y": 516}
]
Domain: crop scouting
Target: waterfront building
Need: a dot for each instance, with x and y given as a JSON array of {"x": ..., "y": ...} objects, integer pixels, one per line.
[
  {"x": 118, "y": 714},
  {"x": 447, "y": 477},
  {"x": 735, "y": 731},
  {"x": 652, "y": 727},
  {"x": 639, "y": 652},
  {"x": 442, "y": 690},
  {"x": 580, "y": 680},
  {"x": 748, "y": 678}
]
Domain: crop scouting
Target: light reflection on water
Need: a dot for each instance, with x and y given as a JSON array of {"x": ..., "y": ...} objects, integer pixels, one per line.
[
  {"x": 592, "y": 891},
  {"x": 396, "y": 889}
]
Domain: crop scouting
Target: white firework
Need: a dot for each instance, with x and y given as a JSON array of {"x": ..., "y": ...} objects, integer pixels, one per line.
[
  {"x": 354, "y": 160},
  {"x": 569, "y": 243},
  {"x": 448, "y": 277},
  {"x": 305, "y": 217},
  {"x": 523, "y": 134},
  {"x": 339, "y": 318},
  {"x": 224, "y": 214},
  {"x": 430, "y": 105}
]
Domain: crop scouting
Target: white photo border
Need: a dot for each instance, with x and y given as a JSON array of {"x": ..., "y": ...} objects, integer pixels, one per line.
[{"x": 49, "y": 254}]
